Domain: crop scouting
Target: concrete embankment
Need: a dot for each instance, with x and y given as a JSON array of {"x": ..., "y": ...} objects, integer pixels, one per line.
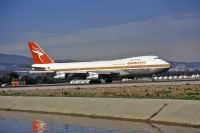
[{"x": 181, "y": 112}]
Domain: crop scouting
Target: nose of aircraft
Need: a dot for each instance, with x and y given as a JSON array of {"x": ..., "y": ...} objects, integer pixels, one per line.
[{"x": 168, "y": 65}]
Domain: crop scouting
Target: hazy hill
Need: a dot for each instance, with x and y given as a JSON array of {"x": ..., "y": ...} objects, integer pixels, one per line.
[
  {"x": 10, "y": 62},
  {"x": 14, "y": 59},
  {"x": 185, "y": 66}
]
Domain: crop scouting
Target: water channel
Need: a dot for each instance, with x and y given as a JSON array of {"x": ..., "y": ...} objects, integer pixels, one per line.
[{"x": 22, "y": 122}]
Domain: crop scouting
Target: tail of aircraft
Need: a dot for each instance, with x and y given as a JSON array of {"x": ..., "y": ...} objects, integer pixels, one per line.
[{"x": 38, "y": 54}]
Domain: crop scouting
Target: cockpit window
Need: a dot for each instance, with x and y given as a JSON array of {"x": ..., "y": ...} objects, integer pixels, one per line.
[{"x": 156, "y": 58}]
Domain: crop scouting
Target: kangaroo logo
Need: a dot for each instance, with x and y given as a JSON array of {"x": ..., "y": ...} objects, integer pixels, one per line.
[{"x": 39, "y": 52}]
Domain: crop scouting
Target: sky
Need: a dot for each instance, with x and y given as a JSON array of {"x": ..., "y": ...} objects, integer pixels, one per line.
[{"x": 102, "y": 29}]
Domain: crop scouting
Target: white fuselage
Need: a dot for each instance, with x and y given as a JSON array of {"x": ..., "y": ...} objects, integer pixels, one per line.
[{"x": 129, "y": 66}]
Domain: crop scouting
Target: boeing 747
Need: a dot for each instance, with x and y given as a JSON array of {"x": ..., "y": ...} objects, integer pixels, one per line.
[{"x": 97, "y": 70}]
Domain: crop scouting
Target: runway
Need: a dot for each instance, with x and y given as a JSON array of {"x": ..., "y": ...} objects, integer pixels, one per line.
[{"x": 110, "y": 85}]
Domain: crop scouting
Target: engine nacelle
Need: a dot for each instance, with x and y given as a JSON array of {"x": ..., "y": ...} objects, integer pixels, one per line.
[
  {"x": 92, "y": 76},
  {"x": 59, "y": 76}
]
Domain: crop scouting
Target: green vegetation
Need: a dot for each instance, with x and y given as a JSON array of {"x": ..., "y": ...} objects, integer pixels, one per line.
[
  {"x": 29, "y": 79},
  {"x": 7, "y": 78},
  {"x": 189, "y": 92}
]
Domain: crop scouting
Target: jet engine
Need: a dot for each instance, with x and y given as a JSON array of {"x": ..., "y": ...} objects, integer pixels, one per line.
[
  {"x": 59, "y": 76},
  {"x": 92, "y": 76}
]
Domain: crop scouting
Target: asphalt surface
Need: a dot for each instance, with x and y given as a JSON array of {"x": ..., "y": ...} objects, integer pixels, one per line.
[{"x": 116, "y": 84}]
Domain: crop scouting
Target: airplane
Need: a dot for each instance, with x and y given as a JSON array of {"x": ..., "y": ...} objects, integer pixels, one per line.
[{"x": 96, "y": 71}]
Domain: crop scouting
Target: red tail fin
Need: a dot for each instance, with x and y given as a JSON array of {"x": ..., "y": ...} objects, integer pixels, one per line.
[{"x": 39, "y": 56}]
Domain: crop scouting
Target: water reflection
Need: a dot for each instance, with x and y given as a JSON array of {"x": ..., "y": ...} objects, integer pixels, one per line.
[
  {"x": 19, "y": 122},
  {"x": 39, "y": 126}
]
